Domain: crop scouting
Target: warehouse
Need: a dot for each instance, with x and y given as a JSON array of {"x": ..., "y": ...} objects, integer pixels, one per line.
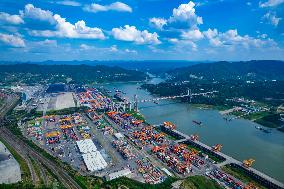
[
  {"x": 86, "y": 146},
  {"x": 118, "y": 174},
  {"x": 94, "y": 161}
]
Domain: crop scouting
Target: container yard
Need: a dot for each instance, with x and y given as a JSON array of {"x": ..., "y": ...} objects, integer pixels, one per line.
[{"x": 109, "y": 140}]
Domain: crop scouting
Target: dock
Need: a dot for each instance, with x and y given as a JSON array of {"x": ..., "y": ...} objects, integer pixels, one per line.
[{"x": 228, "y": 160}]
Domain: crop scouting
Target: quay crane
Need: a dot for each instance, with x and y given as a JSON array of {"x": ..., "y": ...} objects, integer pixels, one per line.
[
  {"x": 217, "y": 147},
  {"x": 194, "y": 137},
  {"x": 248, "y": 162}
]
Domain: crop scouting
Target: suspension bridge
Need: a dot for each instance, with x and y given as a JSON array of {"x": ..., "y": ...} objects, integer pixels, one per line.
[{"x": 134, "y": 103}]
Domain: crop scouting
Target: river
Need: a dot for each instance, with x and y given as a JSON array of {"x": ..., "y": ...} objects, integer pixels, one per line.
[{"x": 240, "y": 138}]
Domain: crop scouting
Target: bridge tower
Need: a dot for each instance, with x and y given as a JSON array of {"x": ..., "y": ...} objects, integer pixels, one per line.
[
  {"x": 135, "y": 103},
  {"x": 189, "y": 94}
]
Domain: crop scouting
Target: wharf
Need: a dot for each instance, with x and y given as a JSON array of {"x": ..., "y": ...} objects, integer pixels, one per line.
[{"x": 263, "y": 178}]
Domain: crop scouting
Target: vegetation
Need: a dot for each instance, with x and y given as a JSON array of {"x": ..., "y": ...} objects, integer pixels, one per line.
[
  {"x": 124, "y": 182},
  {"x": 65, "y": 111},
  {"x": 250, "y": 70},
  {"x": 31, "y": 74},
  {"x": 241, "y": 175},
  {"x": 270, "y": 120},
  {"x": 199, "y": 182},
  {"x": 261, "y": 81},
  {"x": 136, "y": 115},
  {"x": 214, "y": 158}
]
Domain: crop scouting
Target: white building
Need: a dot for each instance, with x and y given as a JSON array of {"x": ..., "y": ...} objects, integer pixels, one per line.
[
  {"x": 86, "y": 146},
  {"x": 93, "y": 159},
  {"x": 118, "y": 174}
]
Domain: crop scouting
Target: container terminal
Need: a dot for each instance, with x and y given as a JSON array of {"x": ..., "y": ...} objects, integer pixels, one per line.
[{"x": 112, "y": 140}]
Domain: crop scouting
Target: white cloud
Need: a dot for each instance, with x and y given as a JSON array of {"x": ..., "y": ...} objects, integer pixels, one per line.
[
  {"x": 10, "y": 19},
  {"x": 12, "y": 40},
  {"x": 271, "y": 18},
  {"x": 158, "y": 22},
  {"x": 113, "y": 48},
  {"x": 85, "y": 47},
  {"x": 186, "y": 13},
  {"x": 212, "y": 37},
  {"x": 37, "y": 14},
  {"x": 130, "y": 33},
  {"x": 183, "y": 45},
  {"x": 69, "y": 3},
  {"x": 117, "y": 6},
  {"x": 130, "y": 51},
  {"x": 192, "y": 35},
  {"x": 271, "y": 3},
  {"x": 231, "y": 38},
  {"x": 63, "y": 28}
]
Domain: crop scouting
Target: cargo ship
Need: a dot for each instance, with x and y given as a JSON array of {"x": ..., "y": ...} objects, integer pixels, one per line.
[
  {"x": 197, "y": 122},
  {"x": 262, "y": 129}
]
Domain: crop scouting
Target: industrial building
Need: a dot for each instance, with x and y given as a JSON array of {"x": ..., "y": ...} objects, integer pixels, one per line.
[
  {"x": 93, "y": 159},
  {"x": 118, "y": 174}
]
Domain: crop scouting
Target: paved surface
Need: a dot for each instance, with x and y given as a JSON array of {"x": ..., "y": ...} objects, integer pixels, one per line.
[
  {"x": 9, "y": 168},
  {"x": 21, "y": 147}
]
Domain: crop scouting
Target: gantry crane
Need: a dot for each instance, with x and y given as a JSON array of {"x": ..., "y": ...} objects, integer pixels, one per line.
[
  {"x": 217, "y": 147},
  {"x": 248, "y": 162}
]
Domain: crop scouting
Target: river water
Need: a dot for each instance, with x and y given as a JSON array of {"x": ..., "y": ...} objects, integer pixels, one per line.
[{"x": 240, "y": 138}]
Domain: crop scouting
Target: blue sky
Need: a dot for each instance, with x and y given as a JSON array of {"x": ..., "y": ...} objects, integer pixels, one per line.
[{"x": 39, "y": 30}]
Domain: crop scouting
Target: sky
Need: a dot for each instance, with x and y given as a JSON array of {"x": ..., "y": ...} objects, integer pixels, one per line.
[{"x": 196, "y": 30}]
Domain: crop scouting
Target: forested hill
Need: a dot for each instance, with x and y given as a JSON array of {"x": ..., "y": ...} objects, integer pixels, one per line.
[
  {"x": 32, "y": 73},
  {"x": 254, "y": 70}
]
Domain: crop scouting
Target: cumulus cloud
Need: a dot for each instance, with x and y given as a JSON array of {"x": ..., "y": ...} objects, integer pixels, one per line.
[
  {"x": 232, "y": 38},
  {"x": 192, "y": 34},
  {"x": 185, "y": 13},
  {"x": 158, "y": 22},
  {"x": 271, "y": 3},
  {"x": 37, "y": 13},
  {"x": 63, "y": 28},
  {"x": 130, "y": 33},
  {"x": 10, "y": 19},
  {"x": 183, "y": 16},
  {"x": 12, "y": 40},
  {"x": 130, "y": 51},
  {"x": 271, "y": 18},
  {"x": 182, "y": 45},
  {"x": 117, "y": 6},
  {"x": 69, "y": 3}
]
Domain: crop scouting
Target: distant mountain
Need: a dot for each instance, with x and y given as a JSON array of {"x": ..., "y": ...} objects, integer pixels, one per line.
[
  {"x": 33, "y": 73},
  {"x": 250, "y": 70},
  {"x": 153, "y": 66}
]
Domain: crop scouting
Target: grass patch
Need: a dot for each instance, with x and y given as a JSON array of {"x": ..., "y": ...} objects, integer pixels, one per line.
[
  {"x": 214, "y": 158},
  {"x": 241, "y": 175},
  {"x": 124, "y": 182},
  {"x": 199, "y": 182},
  {"x": 136, "y": 115},
  {"x": 271, "y": 120}
]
